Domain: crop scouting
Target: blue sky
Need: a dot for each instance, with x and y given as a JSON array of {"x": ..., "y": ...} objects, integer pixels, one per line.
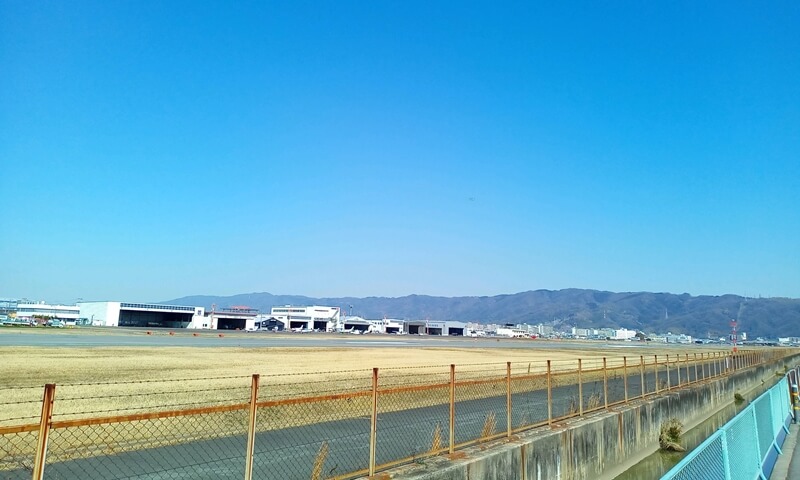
[{"x": 153, "y": 151}]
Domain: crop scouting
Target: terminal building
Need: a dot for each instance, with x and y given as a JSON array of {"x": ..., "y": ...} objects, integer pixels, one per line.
[
  {"x": 30, "y": 311},
  {"x": 121, "y": 314}
]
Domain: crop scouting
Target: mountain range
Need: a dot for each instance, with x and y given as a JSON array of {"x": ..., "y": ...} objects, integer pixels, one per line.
[{"x": 699, "y": 316}]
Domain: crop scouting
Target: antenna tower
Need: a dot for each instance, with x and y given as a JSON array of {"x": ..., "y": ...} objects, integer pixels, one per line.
[{"x": 733, "y": 334}]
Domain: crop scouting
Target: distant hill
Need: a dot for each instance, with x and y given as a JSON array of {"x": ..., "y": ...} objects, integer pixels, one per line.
[{"x": 651, "y": 312}]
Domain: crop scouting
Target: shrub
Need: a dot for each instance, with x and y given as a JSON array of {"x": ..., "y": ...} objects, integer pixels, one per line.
[{"x": 670, "y": 435}]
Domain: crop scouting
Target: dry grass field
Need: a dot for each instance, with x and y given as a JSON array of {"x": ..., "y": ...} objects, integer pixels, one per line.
[
  {"x": 102, "y": 382},
  {"x": 121, "y": 380}
]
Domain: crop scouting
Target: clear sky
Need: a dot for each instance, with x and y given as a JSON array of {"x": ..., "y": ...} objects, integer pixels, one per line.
[{"x": 150, "y": 150}]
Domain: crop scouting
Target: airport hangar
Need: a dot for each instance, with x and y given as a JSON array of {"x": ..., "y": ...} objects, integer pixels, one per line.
[
  {"x": 122, "y": 314},
  {"x": 148, "y": 315}
]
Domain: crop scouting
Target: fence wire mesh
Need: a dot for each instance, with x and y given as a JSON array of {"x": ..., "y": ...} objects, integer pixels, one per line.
[
  {"x": 412, "y": 422},
  {"x": 565, "y": 391},
  {"x": 301, "y": 437},
  {"x": 207, "y": 445},
  {"x": 706, "y": 464},
  {"x": 616, "y": 385},
  {"x": 21, "y": 405},
  {"x": 593, "y": 390},
  {"x": 480, "y": 403},
  {"x": 763, "y": 412},
  {"x": 318, "y": 425},
  {"x": 91, "y": 400},
  {"x": 528, "y": 400},
  {"x": 17, "y": 454},
  {"x": 739, "y": 448}
]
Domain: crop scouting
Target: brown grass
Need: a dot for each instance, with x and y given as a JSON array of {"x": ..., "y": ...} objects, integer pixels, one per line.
[
  {"x": 319, "y": 462},
  {"x": 118, "y": 380},
  {"x": 436, "y": 441},
  {"x": 99, "y": 382},
  {"x": 489, "y": 425}
]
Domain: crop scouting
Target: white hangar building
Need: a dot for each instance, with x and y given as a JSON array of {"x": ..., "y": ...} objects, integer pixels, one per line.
[
  {"x": 121, "y": 314},
  {"x": 313, "y": 317}
]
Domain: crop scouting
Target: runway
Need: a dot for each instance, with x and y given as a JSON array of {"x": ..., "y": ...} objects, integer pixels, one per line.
[{"x": 134, "y": 337}]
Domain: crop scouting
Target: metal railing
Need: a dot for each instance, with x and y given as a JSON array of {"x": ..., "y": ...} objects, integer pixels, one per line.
[
  {"x": 747, "y": 446},
  {"x": 338, "y": 425}
]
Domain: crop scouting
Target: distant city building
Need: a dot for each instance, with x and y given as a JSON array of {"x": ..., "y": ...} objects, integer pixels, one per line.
[
  {"x": 680, "y": 338},
  {"x": 581, "y": 332},
  {"x": 545, "y": 329},
  {"x": 624, "y": 334}
]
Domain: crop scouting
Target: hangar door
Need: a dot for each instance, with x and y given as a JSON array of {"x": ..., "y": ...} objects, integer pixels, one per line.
[
  {"x": 231, "y": 323},
  {"x": 135, "y": 318}
]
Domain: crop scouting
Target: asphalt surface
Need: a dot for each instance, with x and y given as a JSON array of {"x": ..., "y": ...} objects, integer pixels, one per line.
[{"x": 289, "y": 453}]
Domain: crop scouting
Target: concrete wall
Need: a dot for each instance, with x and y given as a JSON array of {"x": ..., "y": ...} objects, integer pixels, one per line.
[
  {"x": 101, "y": 313},
  {"x": 598, "y": 446}
]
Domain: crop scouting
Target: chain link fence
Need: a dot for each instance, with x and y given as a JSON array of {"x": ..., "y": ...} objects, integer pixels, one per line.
[
  {"x": 747, "y": 446},
  {"x": 349, "y": 424}
]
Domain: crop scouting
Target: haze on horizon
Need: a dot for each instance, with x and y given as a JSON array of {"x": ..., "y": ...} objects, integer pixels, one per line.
[{"x": 151, "y": 152}]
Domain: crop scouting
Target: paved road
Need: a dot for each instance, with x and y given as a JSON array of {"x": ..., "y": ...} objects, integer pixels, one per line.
[{"x": 289, "y": 453}]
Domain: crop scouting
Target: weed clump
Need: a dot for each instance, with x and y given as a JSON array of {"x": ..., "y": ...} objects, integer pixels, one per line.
[{"x": 670, "y": 436}]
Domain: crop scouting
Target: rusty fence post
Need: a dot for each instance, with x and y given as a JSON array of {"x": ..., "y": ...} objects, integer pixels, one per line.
[
  {"x": 373, "y": 424},
  {"x": 508, "y": 399},
  {"x": 641, "y": 372},
  {"x": 655, "y": 371},
  {"x": 696, "y": 376},
  {"x": 605, "y": 383},
  {"x": 549, "y": 396},
  {"x": 44, "y": 430},
  {"x": 678, "y": 368},
  {"x": 669, "y": 384},
  {"x": 452, "y": 408},
  {"x": 728, "y": 359},
  {"x": 686, "y": 364},
  {"x": 251, "y": 427},
  {"x": 580, "y": 388},
  {"x": 711, "y": 367},
  {"x": 625, "y": 376},
  {"x": 710, "y": 364},
  {"x": 703, "y": 365},
  {"x": 714, "y": 364}
]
